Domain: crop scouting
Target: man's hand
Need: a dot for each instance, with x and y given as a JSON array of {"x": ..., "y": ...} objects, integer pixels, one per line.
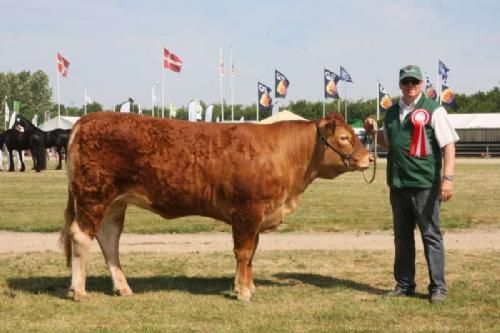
[
  {"x": 370, "y": 126},
  {"x": 446, "y": 190}
]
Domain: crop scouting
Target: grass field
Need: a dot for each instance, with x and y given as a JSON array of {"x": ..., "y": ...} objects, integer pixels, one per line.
[
  {"x": 297, "y": 291},
  {"x": 35, "y": 202}
]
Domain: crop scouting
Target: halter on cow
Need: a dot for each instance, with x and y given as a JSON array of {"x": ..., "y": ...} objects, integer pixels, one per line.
[{"x": 249, "y": 176}]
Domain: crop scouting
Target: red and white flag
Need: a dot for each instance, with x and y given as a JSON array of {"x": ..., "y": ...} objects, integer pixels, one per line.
[
  {"x": 62, "y": 65},
  {"x": 171, "y": 61}
]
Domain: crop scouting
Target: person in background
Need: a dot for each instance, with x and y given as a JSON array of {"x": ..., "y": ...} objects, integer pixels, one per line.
[{"x": 420, "y": 141}]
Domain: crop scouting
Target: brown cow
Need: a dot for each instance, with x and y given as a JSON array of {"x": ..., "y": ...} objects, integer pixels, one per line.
[{"x": 247, "y": 175}]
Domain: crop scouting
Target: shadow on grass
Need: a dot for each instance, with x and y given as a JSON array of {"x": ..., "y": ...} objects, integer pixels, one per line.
[
  {"x": 58, "y": 286},
  {"x": 328, "y": 282}
]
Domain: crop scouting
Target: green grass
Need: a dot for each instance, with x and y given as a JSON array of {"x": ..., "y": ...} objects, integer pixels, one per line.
[
  {"x": 36, "y": 202},
  {"x": 297, "y": 291}
]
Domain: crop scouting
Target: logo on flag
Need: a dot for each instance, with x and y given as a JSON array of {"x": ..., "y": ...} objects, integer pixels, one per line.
[
  {"x": 330, "y": 84},
  {"x": 443, "y": 70},
  {"x": 448, "y": 96},
  {"x": 344, "y": 76},
  {"x": 385, "y": 100},
  {"x": 171, "y": 61},
  {"x": 430, "y": 92},
  {"x": 281, "y": 84},
  {"x": 264, "y": 95},
  {"x": 62, "y": 65}
]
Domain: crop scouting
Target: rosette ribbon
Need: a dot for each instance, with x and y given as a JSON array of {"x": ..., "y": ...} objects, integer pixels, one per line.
[{"x": 419, "y": 146}]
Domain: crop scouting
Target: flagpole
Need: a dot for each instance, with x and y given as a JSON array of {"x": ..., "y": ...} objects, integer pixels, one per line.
[
  {"x": 258, "y": 103},
  {"x": 324, "y": 98},
  {"x": 152, "y": 100},
  {"x": 84, "y": 101},
  {"x": 232, "y": 85},
  {"x": 163, "y": 94},
  {"x": 221, "y": 76},
  {"x": 345, "y": 101},
  {"x": 378, "y": 101},
  {"x": 58, "y": 93},
  {"x": 439, "y": 87}
]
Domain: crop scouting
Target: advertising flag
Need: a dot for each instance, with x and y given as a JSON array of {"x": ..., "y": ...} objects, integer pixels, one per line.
[
  {"x": 125, "y": 107},
  {"x": 384, "y": 99},
  {"x": 62, "y": 65},
  {"x": 344, "y": 76},
  {"x": 330, "y": 84},
  {"x": 281, "y": 84},
  {"x": 448, "y": 96},
  {"x": 430, "y": 91},
  {"x": 264, "y": 95},
  {"x": 208, "y": 113},
  {"x": 171, "y": 61},
  {"x": 443, "y": 70},
  {"x": 7, "y": 112}
]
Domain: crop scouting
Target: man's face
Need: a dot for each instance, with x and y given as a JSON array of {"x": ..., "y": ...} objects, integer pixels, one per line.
[{"x": 411, "y": 87}]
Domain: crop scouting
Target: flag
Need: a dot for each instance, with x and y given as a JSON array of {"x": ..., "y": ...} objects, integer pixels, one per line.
[
  {"x": 192, "y": 111},
  {"x": 34, "y": 121},
  {"x": 344, "y": 76},
  {"x": 125, "y": 107},
  {"x": 233, "y": 70},
  {"x": 221, "y": 63},
  {"x": 264, "y": 94},
  {"x": 139, "y": 106},
  {"x": 331, "y": 79},
  {"x": 7, "y": 112},
  {"x": 448, "y": 96},
  {"x": 384, "y": 99},
  {"x": 154, "y": 99},
  {"x": 430, "y": 91},
  {"x": 208, "y": 113},
  {"x": 17, "y": 106},
  {"x": 173, "y": 110},
  {"x": 62, "y": 65},
  {"x": 281, "y": 84},
  {"x": 443, "y": 70},
  {"x": 87, "y": 98},
  {"x": 12, "y": 119},
  {"x": 171, "y": 61}
]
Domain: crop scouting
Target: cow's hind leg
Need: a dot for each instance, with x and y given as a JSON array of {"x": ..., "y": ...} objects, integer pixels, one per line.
[
  {"x": 108, "y": 237},
  {"x": 80, "y": 242}
]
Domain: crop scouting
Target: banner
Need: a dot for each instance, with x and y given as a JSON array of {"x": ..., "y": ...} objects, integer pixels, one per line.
[
  {"x": 281, "y": 84},
  {"x": 384, "y": 99},
  {"x": 208, "y": 113},
  {"x": 448, "y": 96},
  {"x": 192, "y": 114},
  {"x": 125, "y": 107},
  {"x": 17, "y": 106},
  {"x": 443, "y": 70},
  {"x": 7, "y": 112},
  {"x": 430, "y": 91},
  {"x": 330, "y": 84},
  {"x": 171, "y": 61},
  {"x": 62, "y": 65},
  {"x": 344, "y": 76},
  {"x": 264, "y": 96}
]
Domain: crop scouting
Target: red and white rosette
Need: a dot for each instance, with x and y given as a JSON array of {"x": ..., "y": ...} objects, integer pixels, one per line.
[{"x": 419, "y": 146}]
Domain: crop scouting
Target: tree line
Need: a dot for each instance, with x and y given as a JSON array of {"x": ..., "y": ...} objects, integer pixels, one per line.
[{"x": 36, "y": 97}]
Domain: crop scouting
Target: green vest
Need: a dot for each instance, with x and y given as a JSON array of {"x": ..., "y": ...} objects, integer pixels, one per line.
[{"x": 404, "y": 171}]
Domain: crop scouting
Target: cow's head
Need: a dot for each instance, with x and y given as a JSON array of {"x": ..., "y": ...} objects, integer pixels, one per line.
[{"x": 342, "y": 149}]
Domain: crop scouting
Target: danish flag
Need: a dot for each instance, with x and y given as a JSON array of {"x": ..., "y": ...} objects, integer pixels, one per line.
[
  {"x": 171, "y": 61},
  {"x": 62, "y": 65}
]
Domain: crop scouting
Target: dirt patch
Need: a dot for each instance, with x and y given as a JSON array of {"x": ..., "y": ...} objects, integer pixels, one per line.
[{"x": 15, "y": 242}]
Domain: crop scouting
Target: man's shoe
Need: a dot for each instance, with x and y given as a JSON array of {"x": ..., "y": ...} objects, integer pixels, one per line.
[
  {"x": 437, "y": 297},
  {"x": 400, "y": 292}
]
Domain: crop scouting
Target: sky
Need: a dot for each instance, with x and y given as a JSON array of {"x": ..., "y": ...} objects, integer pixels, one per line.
[{"x": 115, "y": 47}]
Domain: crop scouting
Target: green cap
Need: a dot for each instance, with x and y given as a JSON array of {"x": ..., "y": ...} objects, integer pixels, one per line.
[{"x": 410, "y": 71}]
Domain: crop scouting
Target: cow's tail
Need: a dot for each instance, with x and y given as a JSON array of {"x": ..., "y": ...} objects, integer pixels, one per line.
[{"x": 69, "y": 217}]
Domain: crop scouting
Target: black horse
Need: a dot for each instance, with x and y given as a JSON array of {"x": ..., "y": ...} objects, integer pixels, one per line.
[
  {"x": 20, "y": 138},
  {"x": 57, "y": 138}
]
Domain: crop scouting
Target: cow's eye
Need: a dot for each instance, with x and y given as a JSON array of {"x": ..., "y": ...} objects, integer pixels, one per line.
[{"x": 344, "y": 138}]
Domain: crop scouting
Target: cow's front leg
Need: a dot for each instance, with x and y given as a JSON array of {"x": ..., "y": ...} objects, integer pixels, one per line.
[{"x": 245, "y": 244}]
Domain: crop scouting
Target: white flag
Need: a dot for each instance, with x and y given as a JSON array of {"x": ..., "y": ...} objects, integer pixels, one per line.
[
  {"x": 125, "y": 107},
  {"x": 7, "y": 112},
  {"x": 140, "y": 108},
  {"x": 154, "y": 99},
  {"x": 208, "y": 113},
  {"x": 173, "y": 110},
  {"x": 35, "y": 120},
  {"x": 12, "y": 119},
  {"x": 199, "y": 111},
  {"x": 192, "y": 111}
]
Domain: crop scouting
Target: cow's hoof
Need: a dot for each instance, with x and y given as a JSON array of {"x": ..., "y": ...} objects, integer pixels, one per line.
[
  {"x": 77, "y": 296},
  {"x": 245, "y": 297},
  {"x": 123, "y": 292}
]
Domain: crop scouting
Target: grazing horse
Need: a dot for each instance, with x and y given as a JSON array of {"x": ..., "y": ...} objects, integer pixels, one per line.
[
  {"x": 24, "y": 135},
  {"x": 57, "y": 138}
]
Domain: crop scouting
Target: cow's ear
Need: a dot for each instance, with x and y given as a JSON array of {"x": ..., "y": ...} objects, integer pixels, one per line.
[{"x": 328, "y": 126}]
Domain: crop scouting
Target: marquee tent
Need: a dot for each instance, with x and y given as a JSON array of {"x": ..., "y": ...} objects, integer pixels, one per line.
[{"x": 63, "y": 122}]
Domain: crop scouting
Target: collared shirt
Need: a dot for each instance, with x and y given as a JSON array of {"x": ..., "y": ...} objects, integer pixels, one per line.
[{"x": 440, "y": 122}]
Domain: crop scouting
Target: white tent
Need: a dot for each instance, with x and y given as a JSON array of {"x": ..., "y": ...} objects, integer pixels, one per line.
[
  {"x": 475, "y": 120},
  {"x": 63, "y": 122},
  {"x": 281, "y": 116}
]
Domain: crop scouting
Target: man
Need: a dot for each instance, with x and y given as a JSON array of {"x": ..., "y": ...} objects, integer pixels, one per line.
[{"x": 419, "y": 138}]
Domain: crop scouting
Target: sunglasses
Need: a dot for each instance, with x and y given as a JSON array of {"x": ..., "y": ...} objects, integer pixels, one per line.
[{"x": 407, "y": 81}]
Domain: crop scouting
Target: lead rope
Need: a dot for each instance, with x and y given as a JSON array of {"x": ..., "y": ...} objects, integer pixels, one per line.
[{"x": 374, "y": 142}]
